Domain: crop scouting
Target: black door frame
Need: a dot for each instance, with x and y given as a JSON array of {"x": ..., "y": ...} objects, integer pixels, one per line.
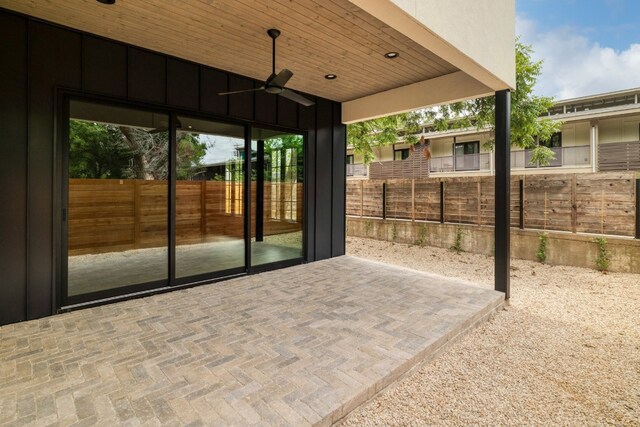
[{"x": 61, "y": 301}]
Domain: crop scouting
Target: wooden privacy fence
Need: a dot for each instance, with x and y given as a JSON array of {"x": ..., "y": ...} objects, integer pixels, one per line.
[
  {"x": 604, "y": 203},
  {"x": 108, "y": 215}
]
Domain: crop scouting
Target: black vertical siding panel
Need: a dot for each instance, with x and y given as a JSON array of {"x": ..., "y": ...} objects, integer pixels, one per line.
[
  {"x": 339, "y": 182},
  {"x": 241, "y": 104},
  {"x": 104, "y": 66},
  {"x": 213, "y": 82},
  {"x": 324, "y": 157},
  {"x": 287, "y": 112},
  {"x": 183, "y": 83},
  {"x": 147, "y": 76},
  {"x": 13, "y": 169},
  {"x": 55, "y": 60},
  {"x": 266, "y": 106},
  {"x": 308, "y": 122}
]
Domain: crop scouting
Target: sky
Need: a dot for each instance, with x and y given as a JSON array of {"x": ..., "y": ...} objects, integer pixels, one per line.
[{"x": 588, "y": 46}]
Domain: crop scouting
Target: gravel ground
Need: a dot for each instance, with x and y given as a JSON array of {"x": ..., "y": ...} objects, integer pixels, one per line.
[{"x": 565, "y": 351}]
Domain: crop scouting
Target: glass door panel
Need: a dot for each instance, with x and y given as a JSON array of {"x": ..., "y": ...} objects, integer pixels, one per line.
[
  {"x": 209, "y": 197},
  {"x": 117, "y": 198},
  {"x": 277, "y": 172}
]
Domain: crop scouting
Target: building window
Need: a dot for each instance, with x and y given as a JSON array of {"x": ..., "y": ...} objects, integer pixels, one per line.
[
  {"x": 467, "y": 155},
  {"x": 554, "y": 142},
  {"x": 401, "y": 154},
  {"x": 349, "y": 159}
]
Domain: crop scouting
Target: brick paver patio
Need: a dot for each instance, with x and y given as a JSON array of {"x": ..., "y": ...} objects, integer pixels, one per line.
[{"x": 299, "y": 346}]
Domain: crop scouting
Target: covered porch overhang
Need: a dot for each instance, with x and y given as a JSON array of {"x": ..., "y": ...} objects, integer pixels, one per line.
[{"x": 447, "y": 50}]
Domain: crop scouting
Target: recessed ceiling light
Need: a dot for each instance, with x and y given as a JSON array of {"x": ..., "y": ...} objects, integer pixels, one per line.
[
  {"x": 106, "y": 1},
  {"x": 330, "y": 76},
  {"x": 391, "y": 55}
]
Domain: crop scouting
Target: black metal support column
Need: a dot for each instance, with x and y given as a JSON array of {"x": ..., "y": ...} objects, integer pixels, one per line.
[
  {"x": 502, "y": 198},
  {"x": 441, "y": 202},
  {"x": 260, "y": 192}
]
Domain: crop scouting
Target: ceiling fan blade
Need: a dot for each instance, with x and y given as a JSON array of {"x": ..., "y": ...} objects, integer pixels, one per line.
[
  {"x": 281, "y": 79},
  {"x": 296, "y": 97},
  {"x": 242, "y": 91}
]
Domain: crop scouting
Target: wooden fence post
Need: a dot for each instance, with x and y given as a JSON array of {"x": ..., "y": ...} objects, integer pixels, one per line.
[
  {"x": 574, "y": 206},
  {"x": 361, "y": 198},
  {"x": 479, "y": 222},
  {"x": 545, "y": 211},
  {"x": 384, "y": 200},
  {"x": 203, "y": 210},
  {"x": 413, "y": 200},
  {"x": 136, "y": 213},
  {"x": 602, "y": 212},
  {"x": 442, "y": 202},
  {"x": 521, "y": 206},
  {"x": 637, "y": 208}
]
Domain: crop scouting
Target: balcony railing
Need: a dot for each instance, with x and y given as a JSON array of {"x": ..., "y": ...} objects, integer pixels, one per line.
[
  {"x": 356, "y": 170},
  {"x": 419, "y": 167},
  {"x": 564, "y": 156},
  {"x": 461, "y": 163}
]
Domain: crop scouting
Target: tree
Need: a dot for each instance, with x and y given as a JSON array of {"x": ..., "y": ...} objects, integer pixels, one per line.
[
  {"x": 121, "y": 152},
  {"x": 527, "y": 129},
  {"x": 97, "y": 151},
  {"x": 366, "y": 136}
]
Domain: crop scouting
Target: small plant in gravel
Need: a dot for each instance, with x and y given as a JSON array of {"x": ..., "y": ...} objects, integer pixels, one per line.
[
  {"x": 368, "y": 226},
  {"x": 604, "y": 256},
  {"x": 422, "y": 236},
  {"x": 457, "y": 244},
  {"x": 541, "y": 253}
]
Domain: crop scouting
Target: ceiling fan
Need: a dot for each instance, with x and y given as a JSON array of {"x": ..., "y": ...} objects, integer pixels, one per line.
[{"x": 275, "y": 84}]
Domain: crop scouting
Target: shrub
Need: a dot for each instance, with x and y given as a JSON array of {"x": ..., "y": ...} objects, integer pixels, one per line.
[
  {"x": 457, "y": 245},
  {"x": 541, "y": 253},
  {"x": 604, "y": 256}
]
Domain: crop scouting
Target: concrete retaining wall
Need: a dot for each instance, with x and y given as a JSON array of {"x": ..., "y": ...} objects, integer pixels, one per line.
[{"x": 577, "y": 250}]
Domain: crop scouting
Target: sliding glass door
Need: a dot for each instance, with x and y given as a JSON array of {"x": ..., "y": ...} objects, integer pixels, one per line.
[
  {"x": 209, "y": 198},
  {"x": 117, "y": 199},
  {"x": 277, "y": 179},
  {"x": 152, "y": 200}
]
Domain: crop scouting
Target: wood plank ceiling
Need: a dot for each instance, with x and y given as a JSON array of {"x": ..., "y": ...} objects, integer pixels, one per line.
[{"x": 318, "y": 37}]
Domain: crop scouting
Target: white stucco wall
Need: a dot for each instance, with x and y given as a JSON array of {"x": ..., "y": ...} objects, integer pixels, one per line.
[{"x": 483, "y": 30}]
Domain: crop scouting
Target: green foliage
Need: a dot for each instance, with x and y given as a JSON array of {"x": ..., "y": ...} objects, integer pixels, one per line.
[
  {"x": 421, "y": 240},
  {"x": 288, "y": 149},
  {"x": 526, "y": 108},
  {"x": 457, "y": 245},
  {"x": 189, "y": 156},
  {"x": 119, "y": 152},
  {"x": 541, "y": 253},
  {"x": 603, "y": 260},
  {"x": 97, "y": 151},
  {"x": 372, "y": 134}
]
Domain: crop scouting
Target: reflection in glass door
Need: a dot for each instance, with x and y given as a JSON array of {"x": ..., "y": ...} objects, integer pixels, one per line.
[
  {"x": 117, "y": 199},
  {"x": 209, "y": 198},
  {"x": 277, "y": 175}
]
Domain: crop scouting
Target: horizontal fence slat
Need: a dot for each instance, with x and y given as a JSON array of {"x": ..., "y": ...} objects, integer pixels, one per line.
[{"x": 591, "y": 203}]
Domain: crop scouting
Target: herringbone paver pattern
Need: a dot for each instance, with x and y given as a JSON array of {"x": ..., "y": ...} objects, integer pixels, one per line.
[{"x": 298, "y": 346}]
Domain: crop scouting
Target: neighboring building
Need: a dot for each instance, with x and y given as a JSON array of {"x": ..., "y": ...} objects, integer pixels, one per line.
[{"x": 600, "y": 133}]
